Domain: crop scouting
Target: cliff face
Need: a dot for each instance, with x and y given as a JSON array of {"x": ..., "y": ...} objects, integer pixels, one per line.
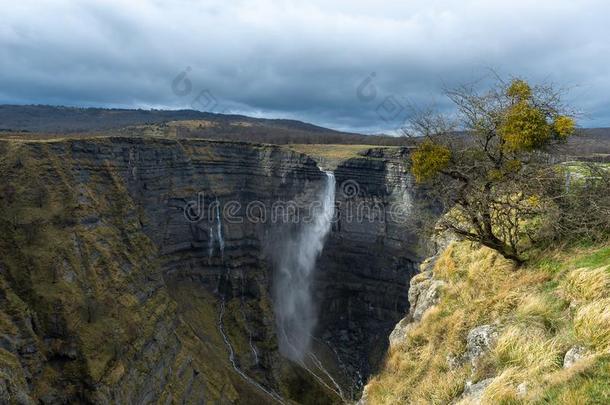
[
  {"x": 368, "y": 260},
  {"x": 110, "y": 293}
]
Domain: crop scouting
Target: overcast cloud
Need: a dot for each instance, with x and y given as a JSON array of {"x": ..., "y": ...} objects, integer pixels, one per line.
[{"x": 298, "y": 59}]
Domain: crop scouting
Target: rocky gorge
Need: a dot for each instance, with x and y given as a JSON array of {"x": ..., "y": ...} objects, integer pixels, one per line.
[{"x": 138, "y": 270}]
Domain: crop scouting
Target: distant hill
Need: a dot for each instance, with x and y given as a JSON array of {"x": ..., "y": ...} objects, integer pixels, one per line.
[
  {"x": 589, "y": 141},
  {"x": 57, "y": 119},
  {"x": 42, "y": 120}
]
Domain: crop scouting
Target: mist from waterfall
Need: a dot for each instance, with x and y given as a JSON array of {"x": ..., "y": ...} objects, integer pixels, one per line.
[
  {"x": 216, "y": 235},
  {"x": 296, "y": 257}
]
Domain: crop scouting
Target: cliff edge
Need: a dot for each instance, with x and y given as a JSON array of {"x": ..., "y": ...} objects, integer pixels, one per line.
[{"x": 481, "y": 331}]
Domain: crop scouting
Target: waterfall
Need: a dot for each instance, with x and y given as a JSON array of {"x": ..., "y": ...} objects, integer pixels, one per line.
[
  {"x": 218, "y": 236},
  {"x": 221, "y": 241},
  {"x": 296, "y": 255}
]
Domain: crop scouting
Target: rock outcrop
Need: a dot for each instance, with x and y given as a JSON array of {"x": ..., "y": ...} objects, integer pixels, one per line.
[
  {"x": 423, "y": 293},
  {"x": 478, "y": 342},
  {"x": 473, "y": 392}
]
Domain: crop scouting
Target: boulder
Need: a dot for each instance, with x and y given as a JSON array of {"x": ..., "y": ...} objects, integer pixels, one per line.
[
  {"x": 399, "y": 334},
  {"x": 426, "y": 295},
  {"x": 474, "y": 391},
  {"x": 479, "y": 341},
  {"x": 573, "y": 355}
]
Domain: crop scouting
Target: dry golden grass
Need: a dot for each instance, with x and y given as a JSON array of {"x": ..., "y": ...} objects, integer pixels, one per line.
[
  {"x": 528, "y": 348},
  {"x": 560, "y": 378},
  {"x": 329, "y": 156},
  {"x": 192, "y": 124},
  {"x": 331, "y": 151},
  {"x": 586, "y": 284},
  {"x": 540, "y": 310},
  {"x": 536, "y": 324},
  {"x": 503, "y": 387},
  {"x": 592, "y": 324}
]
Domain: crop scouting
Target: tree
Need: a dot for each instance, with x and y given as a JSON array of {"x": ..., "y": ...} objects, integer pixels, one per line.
[{"x": 488, "y": 166}]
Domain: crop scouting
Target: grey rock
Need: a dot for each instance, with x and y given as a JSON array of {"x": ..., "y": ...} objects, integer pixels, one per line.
[
  {"x": 522, "y": 390},
  {"x": 399, "y": 334},
  {"x": 417, "y": 287},
  {"x": 573, "y": 355},
  {"x": 442, "y": 240},
  {"x": 479, "y": 341},
  {"x": 474, "y": 391},
  {"x": 428, "y": 298},
  {"x": 427, "y": 266},
  {"x": 424, "y": 293}
]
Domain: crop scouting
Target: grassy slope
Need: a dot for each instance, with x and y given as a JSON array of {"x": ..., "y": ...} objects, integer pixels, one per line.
[
  {"x": 339, "y": 152},
  {"x": 541, "y": 311},
  {"x": 330, "y": 156}
]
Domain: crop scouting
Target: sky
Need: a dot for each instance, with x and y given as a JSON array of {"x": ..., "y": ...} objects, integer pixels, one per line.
[{"x": 347, "y": 64}]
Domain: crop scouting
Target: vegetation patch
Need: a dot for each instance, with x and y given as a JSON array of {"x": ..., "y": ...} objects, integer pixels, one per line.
[{"x": 540, "y": 311}]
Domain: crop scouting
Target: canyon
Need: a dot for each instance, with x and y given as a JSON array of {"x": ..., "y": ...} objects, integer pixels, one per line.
[{"x": 139, "y": 270}]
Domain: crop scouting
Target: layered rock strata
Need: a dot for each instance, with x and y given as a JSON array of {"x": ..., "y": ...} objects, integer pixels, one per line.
[{"x": 111, "y": 293}]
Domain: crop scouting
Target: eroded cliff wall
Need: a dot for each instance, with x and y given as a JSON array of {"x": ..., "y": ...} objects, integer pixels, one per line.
[
  {"x": 111, "y": 294},
  {"x": 368, "y": 259}
]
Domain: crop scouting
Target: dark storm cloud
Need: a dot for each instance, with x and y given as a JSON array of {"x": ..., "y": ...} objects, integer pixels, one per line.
[{"x": 303, "y": 60}]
